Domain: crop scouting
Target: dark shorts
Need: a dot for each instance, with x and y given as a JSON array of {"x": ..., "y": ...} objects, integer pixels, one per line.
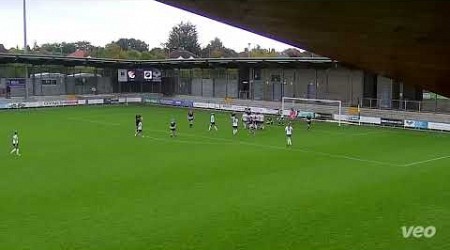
[
  {"x": 213, "y": 123},
  {"x": 235, "y": 127},
  {"x": 173, "y": 129},
  {"x": 289, "y": 136},
  {"x": 139, "y": 130},
  {"x": 15, "y": 145},
  {"x": 190, "y": 118}
]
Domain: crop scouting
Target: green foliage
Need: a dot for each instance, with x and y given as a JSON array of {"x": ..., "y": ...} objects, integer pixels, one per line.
[
  {"x": 262, "y": 52},
  {"x": 63, "y": 48},
  {"x": 133, "y": 54},
  {"x": 184, "y": 36},
  {"x": 132, "y": 44},
  {"x": 216, "y": 49},
  {"x": 158, "y": 53},
  {"x": 84, "y": 45},
  {"x": 113, "y": 50}
]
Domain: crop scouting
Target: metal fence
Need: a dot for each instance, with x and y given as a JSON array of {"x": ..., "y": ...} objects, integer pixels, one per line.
[{"x": 429, "y": 105}]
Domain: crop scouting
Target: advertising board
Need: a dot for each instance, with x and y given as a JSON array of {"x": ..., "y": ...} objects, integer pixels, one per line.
[
  {"x": 416, "y": 124},
  {"x": 439, "y": 126},
  {"x": 134, "y": 99},
  {"x": 392, "y": 122},
  {"x": 370, "y": 120},
  {"x": 95, "y": 101}
]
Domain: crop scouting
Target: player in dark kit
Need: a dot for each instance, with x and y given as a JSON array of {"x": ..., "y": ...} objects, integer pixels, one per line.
[
  {"x": 308, "y": 122},
  {"x": 173, "y": 128},
  {"x": 191, "y": 118},
  {"x": 252, "y": 124},
  {"x": 138, "y": 119}
]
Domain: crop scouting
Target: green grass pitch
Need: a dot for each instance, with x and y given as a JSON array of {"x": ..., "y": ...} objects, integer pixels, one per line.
[{"x": 85, "y": 182}]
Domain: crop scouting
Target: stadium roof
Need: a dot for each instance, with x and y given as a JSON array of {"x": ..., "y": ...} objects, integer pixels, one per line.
[
  {"x": 405, "y": 39},
  {"x": 168, "y": 63}
]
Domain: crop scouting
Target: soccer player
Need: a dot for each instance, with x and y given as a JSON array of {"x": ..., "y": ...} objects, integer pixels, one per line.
[
  {"x": 173, "y": 128},
  {"x": 15, "y": 143},
  {"x": 261, "y": 121},
  {"x": 139, "y": 129},
  {"x": 212, "y": 122},
  {"x": 191, "y": 118},
  {"x": 137, "y": 120},
  {"x": 280, "y": 118},
  {"x": 289, "y": 130},
  {"x": 269, "y": 121},
  {"x": 234, "y": 123},
  {"x": 252, "y": 124},
  {"x": 245, "y": 119},
  {"x": 308, "y": 122}
]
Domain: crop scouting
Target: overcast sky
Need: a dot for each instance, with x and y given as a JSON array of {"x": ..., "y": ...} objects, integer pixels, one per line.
[{"x": 103, "y": 21}]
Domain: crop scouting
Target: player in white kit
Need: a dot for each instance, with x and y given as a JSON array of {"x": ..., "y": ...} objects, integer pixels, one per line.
[
  {"x": 139, "y": 129},
  {"x": 15, "y": 144},
  {"x": 289, "y": 129},
  {"x": 234, "y": 123},
  {"x": 212, "y": 122}
]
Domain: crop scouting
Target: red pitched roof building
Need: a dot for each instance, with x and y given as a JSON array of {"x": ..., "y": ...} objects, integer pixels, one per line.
[{"x": 79, "y": 54}]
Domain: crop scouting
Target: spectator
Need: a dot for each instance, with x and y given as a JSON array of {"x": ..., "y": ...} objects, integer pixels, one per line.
[{"x": 8, "y": 91}]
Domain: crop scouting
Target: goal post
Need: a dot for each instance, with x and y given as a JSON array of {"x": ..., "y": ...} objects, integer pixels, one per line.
[{"x": 315, "y": 106}]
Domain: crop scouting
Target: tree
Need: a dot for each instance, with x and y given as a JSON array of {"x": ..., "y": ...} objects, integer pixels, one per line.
[
  {"x": 68, "y": 48},
  {"x": 132, "y": 44},
  {"x": 260, "y": 52},
  {"x": 133, "y": 54},
  {"x": 98, "y": 52},
  {"x": 112, "y": 50},
  {"x": 83, "y": 45},
  {"x": 16, "y": 50},
  {"x": 216, "y": 49},
  {"x": 184, "y": 36},
  {"x": 158, "y": 53},
  {"x": 55, "y": 48},
  {"x": 146, "y": 55}
]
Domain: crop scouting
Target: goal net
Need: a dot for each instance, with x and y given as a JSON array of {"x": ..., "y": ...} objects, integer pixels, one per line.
[{"x": 314, "y": 108}]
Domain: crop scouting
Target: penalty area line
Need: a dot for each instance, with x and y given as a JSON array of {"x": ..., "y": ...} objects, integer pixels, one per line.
[
  {"x": 346, "y": 157},
  {"x": 229, "y": 141},
  {"x": 426, "y": 161},
  {"x": 323, "y": 154}
]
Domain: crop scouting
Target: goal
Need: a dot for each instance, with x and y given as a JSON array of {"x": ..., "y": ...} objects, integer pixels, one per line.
[{"x": 317, "y": 108}]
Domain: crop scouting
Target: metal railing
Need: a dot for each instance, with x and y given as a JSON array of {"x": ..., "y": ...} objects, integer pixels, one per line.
[{"x": 429, "y": 105}]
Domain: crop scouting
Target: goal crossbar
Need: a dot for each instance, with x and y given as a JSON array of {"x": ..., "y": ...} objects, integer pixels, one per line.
[{"x": 284, "y": 100}]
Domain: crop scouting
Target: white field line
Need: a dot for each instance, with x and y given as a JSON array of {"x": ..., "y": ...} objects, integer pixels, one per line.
[
  {"x": 425, "y": 161},
  {"x": 338, "y": 156},
  {"x": 322, "y": 153},
  {"x": 229, "y": 141},
  {"x": 277, "y": 148}
]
